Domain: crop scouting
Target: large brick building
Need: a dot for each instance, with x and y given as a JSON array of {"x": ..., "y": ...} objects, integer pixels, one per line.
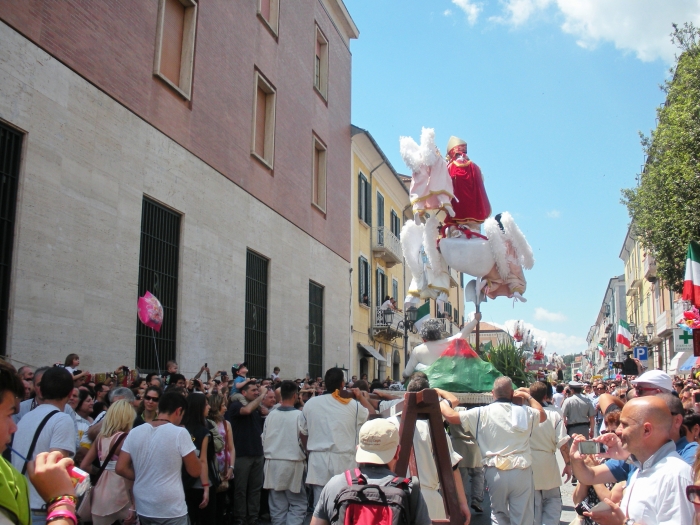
[{"x": 200, "y": 152}]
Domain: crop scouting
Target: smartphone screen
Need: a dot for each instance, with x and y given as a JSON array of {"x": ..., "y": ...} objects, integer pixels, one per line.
[
  {"x": 696, "y": 395},
  {"x": 589, "y": 447}
]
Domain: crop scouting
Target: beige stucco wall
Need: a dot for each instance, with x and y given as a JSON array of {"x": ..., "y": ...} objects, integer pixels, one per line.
[{"x": 87, "y": 164}]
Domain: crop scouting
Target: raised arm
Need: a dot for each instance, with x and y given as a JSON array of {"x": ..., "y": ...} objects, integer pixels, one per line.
[{"x": 464, "y": 333}]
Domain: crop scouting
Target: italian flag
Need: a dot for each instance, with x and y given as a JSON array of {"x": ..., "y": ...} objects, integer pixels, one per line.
[
  {"x": 423, "y": 314},
  {"x": 691, "y": 283},
  {"x": 623, "y": 333},
  {"x": 600, "y": 349}
]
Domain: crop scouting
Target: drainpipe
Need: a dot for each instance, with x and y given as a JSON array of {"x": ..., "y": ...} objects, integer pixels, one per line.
[
  {"x": 372, "y": 311},
  {"x": 405, "y": 323}
]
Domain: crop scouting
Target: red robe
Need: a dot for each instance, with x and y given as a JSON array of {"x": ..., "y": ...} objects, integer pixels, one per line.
[{"x": 471, "y": 204}]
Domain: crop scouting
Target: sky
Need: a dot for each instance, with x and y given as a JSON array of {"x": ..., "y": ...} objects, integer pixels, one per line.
[{"x": 551, "y": 96}]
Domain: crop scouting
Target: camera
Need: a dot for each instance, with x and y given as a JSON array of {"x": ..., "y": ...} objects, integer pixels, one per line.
[
  {"x": 696, "y": 397},
  {"x": 590, "y": 447},
  {"x": 582, "y": 507}
]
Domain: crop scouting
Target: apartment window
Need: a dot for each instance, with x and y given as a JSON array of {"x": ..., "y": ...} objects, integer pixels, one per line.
[
  {"x": 363, "y": 193},
  {"x": 255, "y": 338},
  {"x": 315, "y": 367},
  {"x": 363, "y": 288},
  {"x": 269, "y": 12},
  {"x": 319, "y": 175},
  {"x": 10, "y": 151},
  {"x": 455, "y": 317},
  {"x": 381, "y": 286},
  {"x": 395, "y": 224},
  {"x": 321, "y": 64},
  {"x": 395, "y": 289},
  {"x": 264, "y": 121},
  {"x": 380, "y": 210},
  {"x": 158, "y": 274},
  {"x": 175, "y": 35}
]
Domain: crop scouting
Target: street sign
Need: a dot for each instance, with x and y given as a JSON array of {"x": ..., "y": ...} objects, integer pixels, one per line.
[
  {"x": 682, "y": 340},
  {"x": 641, "y": 353}
]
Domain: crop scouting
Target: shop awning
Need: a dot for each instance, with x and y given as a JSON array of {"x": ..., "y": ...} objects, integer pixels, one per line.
[
  {"x": 370, "y": 351},
  {"x": 678, "y": 360}
]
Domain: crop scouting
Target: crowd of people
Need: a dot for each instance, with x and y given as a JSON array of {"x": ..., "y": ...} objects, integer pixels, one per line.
[{"x": 220, "y": 449}]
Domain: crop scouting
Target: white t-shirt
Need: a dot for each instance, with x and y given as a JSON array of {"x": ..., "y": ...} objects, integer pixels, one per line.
[
  {"x": 557, "y": 399},
  {"x": 58, "y": 433},
  {"x": 156, "y": 453}
]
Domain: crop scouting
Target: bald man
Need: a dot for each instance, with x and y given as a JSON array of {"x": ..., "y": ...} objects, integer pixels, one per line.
[{"x": 655, "y": 492}]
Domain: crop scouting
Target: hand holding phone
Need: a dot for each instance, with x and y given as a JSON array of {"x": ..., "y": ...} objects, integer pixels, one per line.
[{"x": 591, "y": 447}]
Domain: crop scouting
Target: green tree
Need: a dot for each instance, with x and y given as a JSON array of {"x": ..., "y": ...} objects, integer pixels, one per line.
[{"x": 664, "y": 206}]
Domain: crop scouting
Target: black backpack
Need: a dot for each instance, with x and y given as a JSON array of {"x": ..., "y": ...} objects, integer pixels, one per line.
[{"x": 362, "y": 504}]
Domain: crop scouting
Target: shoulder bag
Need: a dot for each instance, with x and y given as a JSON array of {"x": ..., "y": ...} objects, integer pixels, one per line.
[{"x": 84, "y": 510}]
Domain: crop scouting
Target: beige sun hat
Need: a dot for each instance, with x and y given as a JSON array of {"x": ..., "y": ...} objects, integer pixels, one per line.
[{"x": 378, "y": 442}]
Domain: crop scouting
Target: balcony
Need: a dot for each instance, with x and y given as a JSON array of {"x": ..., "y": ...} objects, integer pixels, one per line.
[
  {"x": 384, "y": 331},
  {"x": 448, "y": 328},
  {"x": 386, "y": 246},
  {"x": 663, "y": 323},
  {"x": 650, "y": 268}
]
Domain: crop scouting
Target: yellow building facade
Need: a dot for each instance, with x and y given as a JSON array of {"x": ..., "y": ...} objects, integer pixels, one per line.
[{"x": 378, "y": 347}]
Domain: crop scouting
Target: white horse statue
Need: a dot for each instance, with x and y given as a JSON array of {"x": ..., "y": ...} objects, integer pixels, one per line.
[{"x": 497, "y": 257}]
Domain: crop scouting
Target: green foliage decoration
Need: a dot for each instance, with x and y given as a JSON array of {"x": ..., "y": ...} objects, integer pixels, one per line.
[
  {"x": 510, "y": 361},
  {"x": 665, "y": 206}
]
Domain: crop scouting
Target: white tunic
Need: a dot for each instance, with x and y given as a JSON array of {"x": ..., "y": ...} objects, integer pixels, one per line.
[
  {"x": 333, "y": 429},
  {"x": 427, "y": 469},
  {"x": 546, "y": 438},
  {"x": 284, "y": 458},
  {"x": 501, "y": 445}
]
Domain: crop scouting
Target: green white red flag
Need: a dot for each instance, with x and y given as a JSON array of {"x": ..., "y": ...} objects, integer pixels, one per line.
[
  {"x": 623, "y": 333},
  {"x": 691, "y": 283}
]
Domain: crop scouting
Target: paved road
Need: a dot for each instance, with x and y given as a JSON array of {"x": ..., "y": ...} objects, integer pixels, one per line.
[{"x": 567, "y": 515}]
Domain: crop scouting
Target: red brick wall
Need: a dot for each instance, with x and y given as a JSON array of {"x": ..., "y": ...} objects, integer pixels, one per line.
[{"x": 112, "y": 44}]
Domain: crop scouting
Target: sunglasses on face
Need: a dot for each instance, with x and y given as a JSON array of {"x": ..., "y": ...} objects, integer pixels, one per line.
[
  {"x": 641, "y": 389},
  {"x": 692, "y": 492},
  {"x": 150, "y": 398}
]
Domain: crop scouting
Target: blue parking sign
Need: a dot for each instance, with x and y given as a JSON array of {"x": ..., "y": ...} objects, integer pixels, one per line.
[{"x": 641, "y": 353}]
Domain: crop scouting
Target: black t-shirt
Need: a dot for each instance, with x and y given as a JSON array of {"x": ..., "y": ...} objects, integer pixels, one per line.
[{"x": 247, "y": 430}]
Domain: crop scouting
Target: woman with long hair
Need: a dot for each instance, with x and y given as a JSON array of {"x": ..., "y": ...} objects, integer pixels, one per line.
[
  {"x": 148, "y": 409},
  {"x": 111, "y": 497},
  {"x": 225, "y": 458},
  {"x": 201, "y": 508},
  {"x": 83, "y": 417}
]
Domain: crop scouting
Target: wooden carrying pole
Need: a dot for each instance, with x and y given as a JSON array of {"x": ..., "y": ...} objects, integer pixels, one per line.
[{"x": 427, "y": 403}]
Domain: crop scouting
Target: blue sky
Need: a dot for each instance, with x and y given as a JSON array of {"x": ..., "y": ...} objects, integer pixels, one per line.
[{"x": 550, "y": 96}]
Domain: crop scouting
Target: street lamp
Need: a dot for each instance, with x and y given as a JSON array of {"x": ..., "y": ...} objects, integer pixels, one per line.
[
  {"x": 633, "y": 329},
  {"x": 411, "y": 315},
  {"x": 388, "y": 315},
  {"x": 607, "y": 310},
  {"x": 650, "y": 330}
]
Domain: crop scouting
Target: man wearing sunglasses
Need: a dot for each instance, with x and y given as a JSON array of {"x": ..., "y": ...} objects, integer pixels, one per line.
[{"x": 654, "y": 493}]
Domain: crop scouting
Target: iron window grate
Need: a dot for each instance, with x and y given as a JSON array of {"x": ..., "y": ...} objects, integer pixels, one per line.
[
  {"x": 10, "y": 152},
  {"x": 315, "y": 330},
  {"x": 255, "y": 345},
  {"x": 158, "y": 274}
]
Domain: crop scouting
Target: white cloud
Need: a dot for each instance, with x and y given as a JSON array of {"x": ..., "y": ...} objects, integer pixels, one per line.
[
  {"x": 447, "y": 12},
  {"x": 638, "y": 26},
  {"x": 543, "y": 315},
  {"x": 471, "y": 9},
  {"x": 556, "y": 341},
  {"x": 554, "y": 214}
]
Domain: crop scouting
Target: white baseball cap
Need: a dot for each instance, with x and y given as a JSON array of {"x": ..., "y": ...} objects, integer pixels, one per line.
[
  {"x": 655, "y": 377},
  {"x": 378, "y": 442}
]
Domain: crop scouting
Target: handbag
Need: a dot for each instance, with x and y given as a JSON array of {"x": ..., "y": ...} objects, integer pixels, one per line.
[
  {"x": 84, "y": 510},
  {"x": 223, "y": 485}
]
